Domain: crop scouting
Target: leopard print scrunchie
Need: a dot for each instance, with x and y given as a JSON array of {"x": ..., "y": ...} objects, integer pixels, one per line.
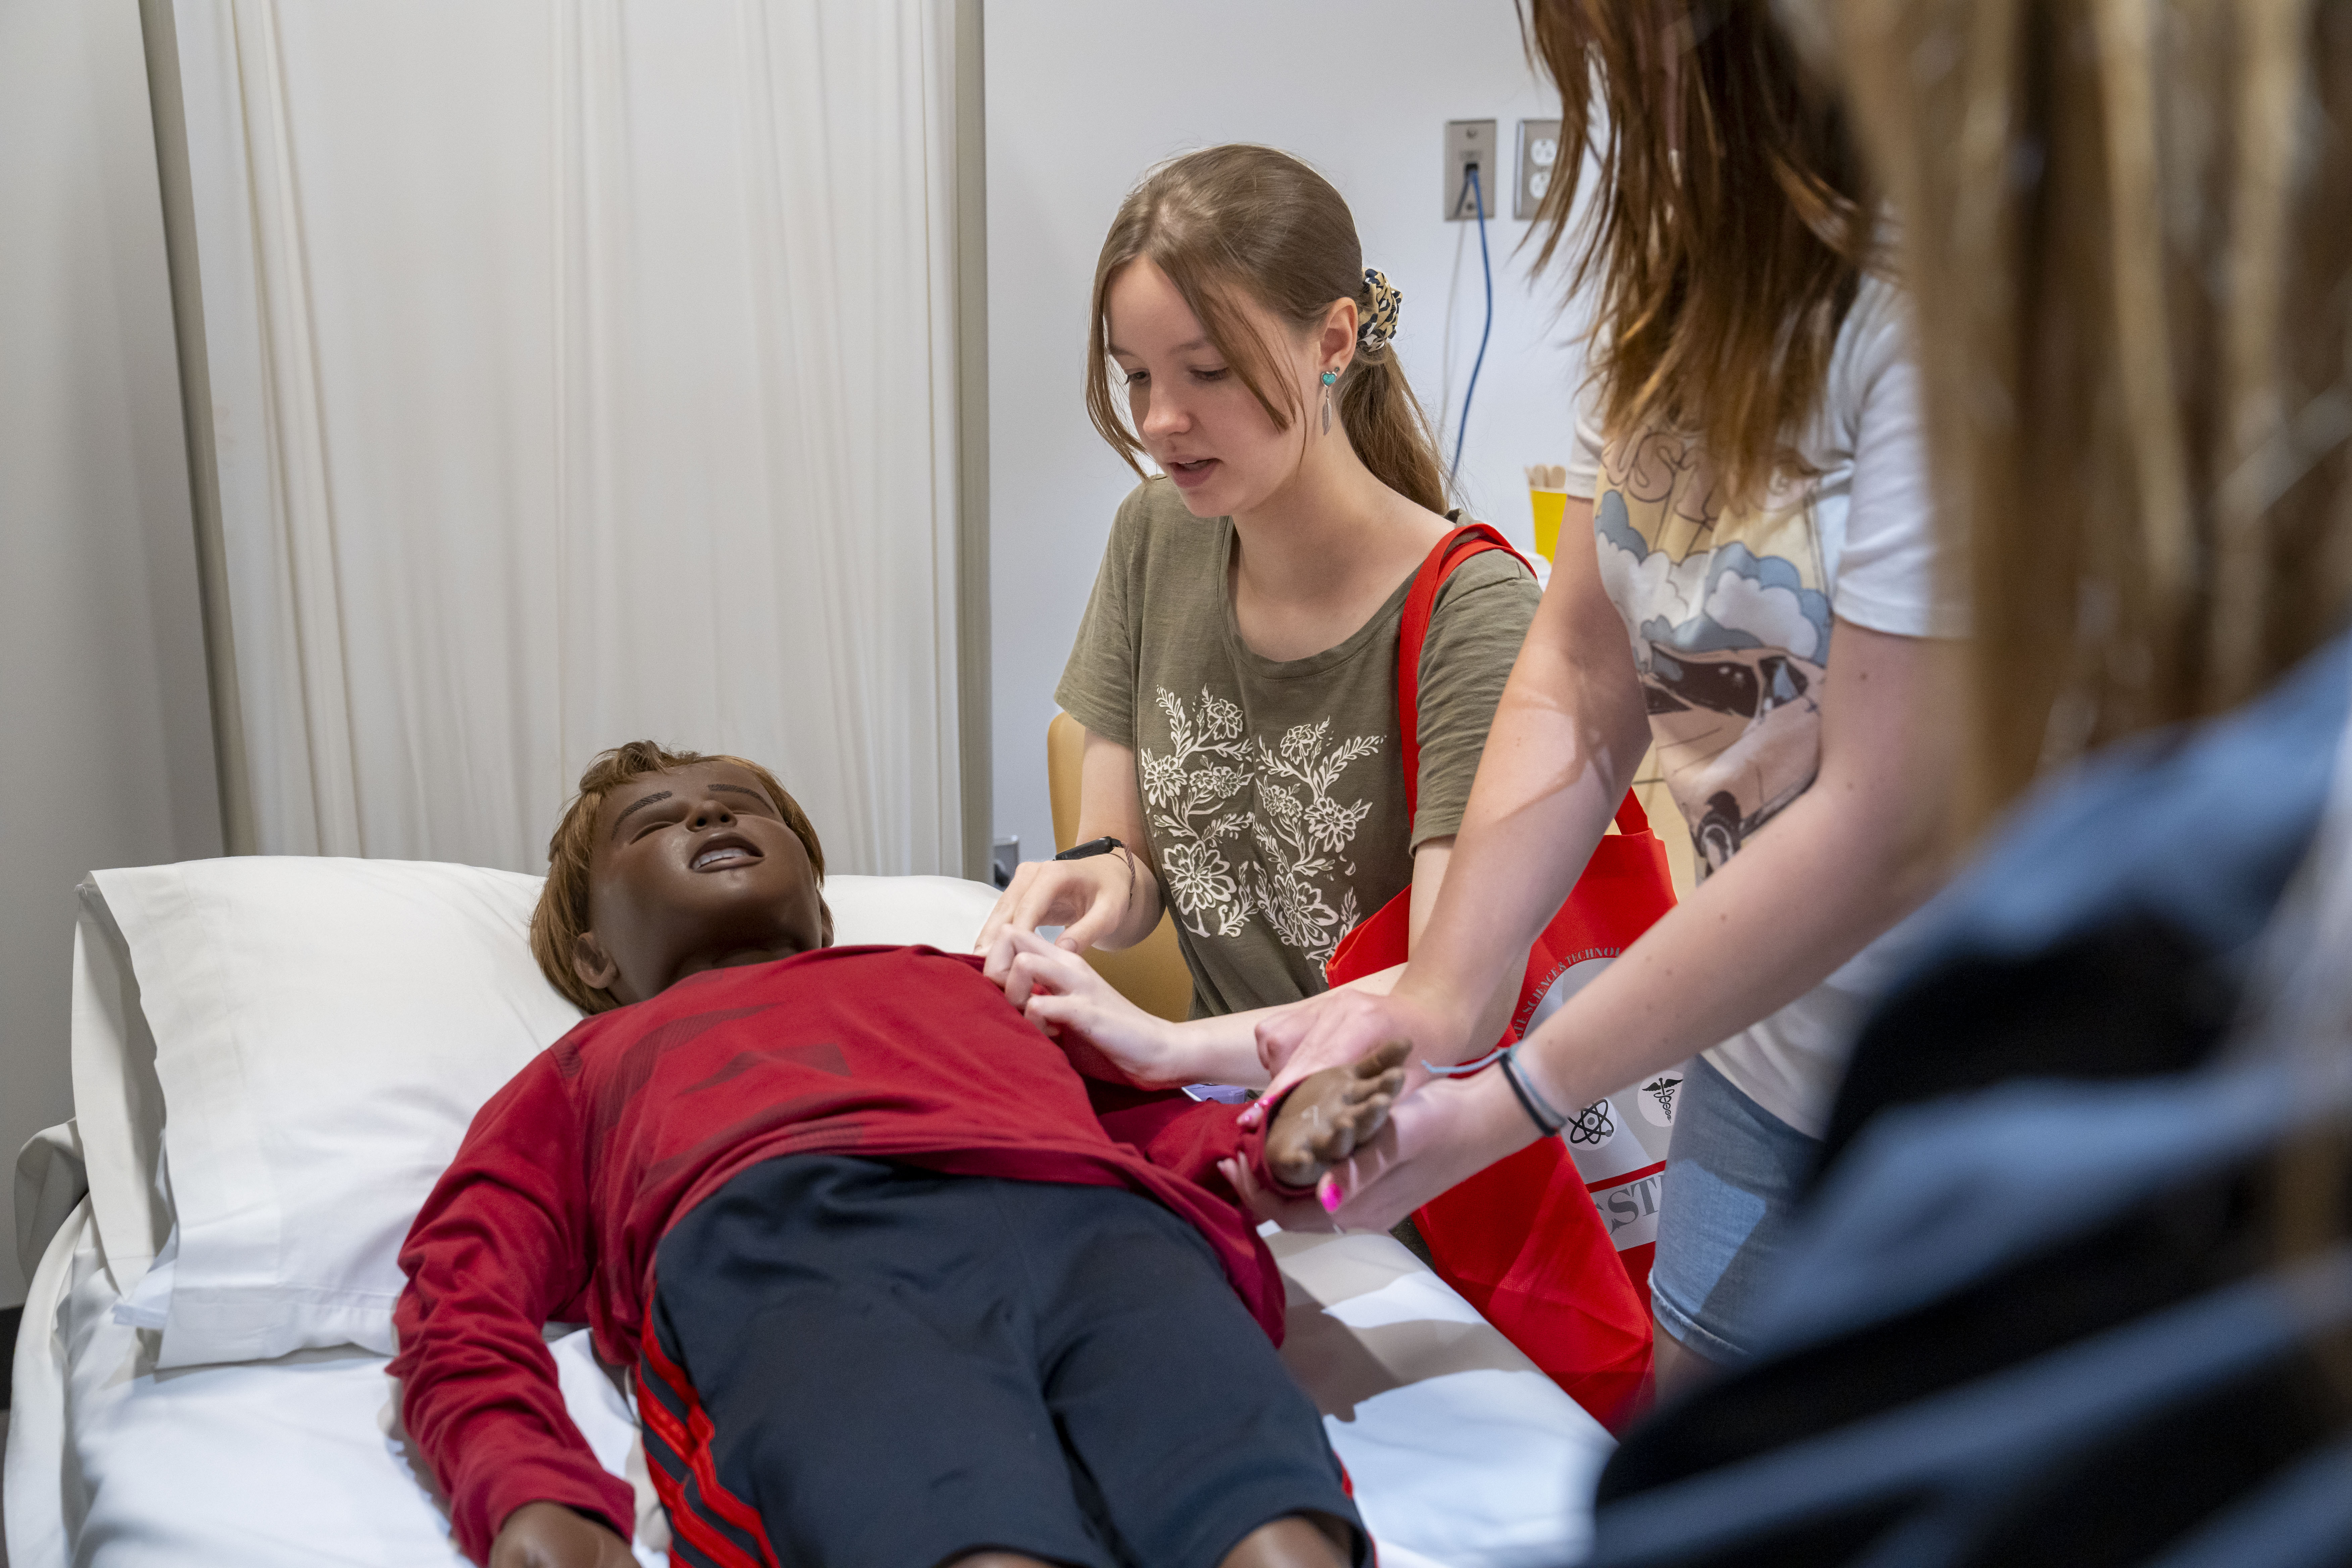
[{"x": 1383, "y": 301}]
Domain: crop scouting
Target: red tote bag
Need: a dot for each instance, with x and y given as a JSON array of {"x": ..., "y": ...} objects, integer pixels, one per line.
[{"x": 1532, "y": 1240}]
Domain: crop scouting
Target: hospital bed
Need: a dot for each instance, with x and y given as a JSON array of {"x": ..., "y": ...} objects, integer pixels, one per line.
[{"x": 272, "y": 1058}]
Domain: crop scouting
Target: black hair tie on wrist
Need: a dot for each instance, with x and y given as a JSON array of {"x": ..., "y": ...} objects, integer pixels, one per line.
[
  {"x": 1104, "y": 846},
  {"x": 1531, "y": 1100}
]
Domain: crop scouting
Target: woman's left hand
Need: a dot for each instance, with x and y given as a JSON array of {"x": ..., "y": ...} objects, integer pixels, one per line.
[{"x": 1060, "y": 993}]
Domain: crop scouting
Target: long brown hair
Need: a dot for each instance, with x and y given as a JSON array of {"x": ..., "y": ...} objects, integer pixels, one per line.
[
  {"x": 1244, "y": 220},
  {"x": 2128, "y": 228},
  {"x": 1729, "y": 223}
]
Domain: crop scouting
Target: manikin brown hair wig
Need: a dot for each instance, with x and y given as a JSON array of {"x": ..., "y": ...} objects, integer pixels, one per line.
[
  {"x": 1240, "y": 221},
  {"x": 2128, "y": 227},
  {"x": 563, "y": 911},
  {"x": 1729, "y": 221}
]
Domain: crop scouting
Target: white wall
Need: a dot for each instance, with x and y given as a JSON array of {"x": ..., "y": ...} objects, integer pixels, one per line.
[
  {"x": 1082, "y": 98},
  {"x": 105, "y": 735}
]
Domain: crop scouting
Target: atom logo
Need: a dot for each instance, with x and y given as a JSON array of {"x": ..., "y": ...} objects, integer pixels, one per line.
[{"x": 1593, "y": 1124}]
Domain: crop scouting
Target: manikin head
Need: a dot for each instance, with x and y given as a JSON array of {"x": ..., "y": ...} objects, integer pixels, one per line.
[
  {"x": 670, "y": 863},
  {"x": 1230, "y": 284}
]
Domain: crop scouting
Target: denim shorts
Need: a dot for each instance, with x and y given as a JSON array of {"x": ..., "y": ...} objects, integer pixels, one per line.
[{"x": 1733, "y": 1175}]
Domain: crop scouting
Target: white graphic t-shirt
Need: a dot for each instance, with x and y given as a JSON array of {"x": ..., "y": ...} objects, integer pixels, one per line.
[{"x": 1731, "y": 614}]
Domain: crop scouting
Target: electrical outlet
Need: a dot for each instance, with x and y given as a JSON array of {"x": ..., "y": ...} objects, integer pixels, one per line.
[
  {"x": 1469, "y": 142},
  {"x": 1539, "y": 151}
]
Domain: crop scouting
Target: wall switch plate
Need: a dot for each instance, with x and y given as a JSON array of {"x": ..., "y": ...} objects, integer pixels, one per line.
[
  {"x": 1539, "y": 151},
  {"x": 1469, "y": 142}
]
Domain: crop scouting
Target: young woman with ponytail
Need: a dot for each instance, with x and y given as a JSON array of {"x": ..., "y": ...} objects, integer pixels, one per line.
[{"x": 1235, "y": 671}]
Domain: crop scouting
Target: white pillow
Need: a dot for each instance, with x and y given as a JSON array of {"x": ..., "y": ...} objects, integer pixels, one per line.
[
  {"x": 944, "y": 912},
  {"x": 324, "y": 1031}
]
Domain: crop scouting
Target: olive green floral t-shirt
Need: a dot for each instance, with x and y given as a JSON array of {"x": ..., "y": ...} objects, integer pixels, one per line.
[{"x": 1273, "y": 789}]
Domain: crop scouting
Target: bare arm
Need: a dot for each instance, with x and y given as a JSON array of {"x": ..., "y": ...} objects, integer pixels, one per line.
[
  {"x": 1853, "y": 854},
  {"x": 1104, "y": 900},
  {"x": 1059, "y": 991},
  {"x": 1567, "y": 736}
]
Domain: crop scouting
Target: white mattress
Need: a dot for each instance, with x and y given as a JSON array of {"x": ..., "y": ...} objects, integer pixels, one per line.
[{"x": 1463, "y": 1456}]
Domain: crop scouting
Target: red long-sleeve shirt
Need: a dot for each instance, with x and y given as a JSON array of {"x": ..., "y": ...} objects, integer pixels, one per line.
[{"x": 571, "y": 1175}]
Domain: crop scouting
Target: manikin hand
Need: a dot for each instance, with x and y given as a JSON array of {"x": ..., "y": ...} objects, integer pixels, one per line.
[
  {"x": 1444, "y": 1135},
  {"x": 1089, "y": 899},
  {"x": 1335, "y": 1114},
  {"x": 549, "y": 1535},
  {"x": 1343, "y": 1026},
  {"x": 1058, "y": 991}
]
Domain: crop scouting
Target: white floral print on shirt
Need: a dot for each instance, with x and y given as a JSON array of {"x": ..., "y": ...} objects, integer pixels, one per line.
[{"x": 1274, "y": 806}]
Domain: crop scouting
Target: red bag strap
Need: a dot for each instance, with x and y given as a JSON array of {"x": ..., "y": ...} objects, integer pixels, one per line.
[
  {"x": 1631, "y": 817},
  {"x": 1470, "y": 538}
]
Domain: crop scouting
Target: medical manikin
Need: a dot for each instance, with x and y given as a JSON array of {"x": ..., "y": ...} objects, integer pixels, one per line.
[{"x": 904, "y": 1282}]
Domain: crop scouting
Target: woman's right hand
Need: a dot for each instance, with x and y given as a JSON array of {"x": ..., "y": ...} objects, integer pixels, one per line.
[
  {"x": 1061, "y": 994},
  {"x": 1345, "y": 1026},
  {"x": 1090, "y": 900}
]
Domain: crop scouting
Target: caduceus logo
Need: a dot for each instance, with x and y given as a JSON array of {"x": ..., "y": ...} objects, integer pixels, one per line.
[
  {"x": 1663, "y": 1090},
  {"x": 1593, "y": 1124}
]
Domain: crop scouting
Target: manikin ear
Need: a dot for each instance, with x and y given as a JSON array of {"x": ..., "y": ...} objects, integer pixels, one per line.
[
  {"x": 594, "y": 966},
  {"x": 827, "y": 911}
]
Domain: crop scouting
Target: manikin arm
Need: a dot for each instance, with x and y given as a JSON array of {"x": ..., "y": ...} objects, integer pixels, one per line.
[{"x": 503, "y": 1242}]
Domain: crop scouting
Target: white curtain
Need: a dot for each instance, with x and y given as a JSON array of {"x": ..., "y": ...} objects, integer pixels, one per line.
[{"x": 582, "y": 370}]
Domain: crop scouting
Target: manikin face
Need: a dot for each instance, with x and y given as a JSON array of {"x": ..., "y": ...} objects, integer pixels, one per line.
[
  {"x": 1197, "y": 419},
  {"x": 694, "y": 869}
]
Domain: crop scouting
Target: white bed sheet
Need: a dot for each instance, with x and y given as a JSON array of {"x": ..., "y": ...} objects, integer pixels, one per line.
[
  {"x": 1462, "y": 1455},
  {"x": 296, "y": 1460}
]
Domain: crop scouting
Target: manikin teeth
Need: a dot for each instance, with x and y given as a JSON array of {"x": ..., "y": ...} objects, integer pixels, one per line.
[{"x": 718, "y": 856}]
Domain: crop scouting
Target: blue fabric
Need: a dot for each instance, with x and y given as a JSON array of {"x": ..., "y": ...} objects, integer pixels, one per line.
[
  {"x": 2041, "y": 1322},
  {"x": 1936, "y": 1197},
  {"x": 1937, "y": 1477},
  {"x": 1734, "y": 1174}
]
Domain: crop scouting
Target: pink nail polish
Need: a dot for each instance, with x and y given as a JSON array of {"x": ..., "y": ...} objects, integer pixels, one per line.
[{"x": 1330, "y": 1196}]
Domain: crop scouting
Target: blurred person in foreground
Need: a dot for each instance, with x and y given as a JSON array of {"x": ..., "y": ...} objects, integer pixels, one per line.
[{"x": 2074, "y": 1285}]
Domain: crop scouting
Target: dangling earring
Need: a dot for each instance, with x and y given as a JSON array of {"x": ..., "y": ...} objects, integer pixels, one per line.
[{"x": 1328, "y": 377}]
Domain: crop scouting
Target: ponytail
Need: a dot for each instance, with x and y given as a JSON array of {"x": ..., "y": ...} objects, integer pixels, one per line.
[{"x": 1387, "y": 427}]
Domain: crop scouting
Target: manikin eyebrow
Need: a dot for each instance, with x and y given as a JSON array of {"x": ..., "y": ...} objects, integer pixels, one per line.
[{"x": 658, "y": 795}]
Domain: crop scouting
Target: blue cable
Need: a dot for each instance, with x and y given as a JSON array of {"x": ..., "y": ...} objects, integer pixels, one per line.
[{"x": 1463, "y": 430}]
